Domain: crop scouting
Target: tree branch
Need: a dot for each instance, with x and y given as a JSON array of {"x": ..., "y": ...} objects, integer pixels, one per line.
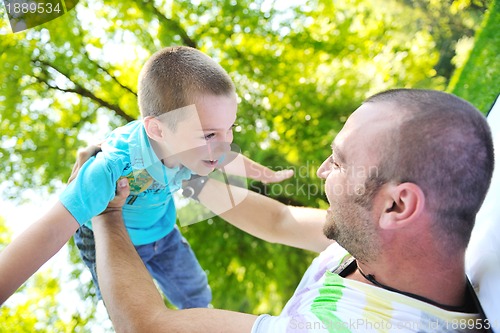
[
  {"x": 107, "y": 72},
  {"x": 80, "y": 90},
  {"x": 174, "y": 25}
]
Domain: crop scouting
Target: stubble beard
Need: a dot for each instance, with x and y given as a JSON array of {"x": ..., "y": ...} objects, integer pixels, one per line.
[{"x": 349, "y": 225}]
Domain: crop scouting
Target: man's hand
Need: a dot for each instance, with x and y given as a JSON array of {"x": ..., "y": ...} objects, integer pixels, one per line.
[
  {"x": 82, "y": 156},
  {"x": 122, "y": 186},
  {"x": 122, "y": 192}
]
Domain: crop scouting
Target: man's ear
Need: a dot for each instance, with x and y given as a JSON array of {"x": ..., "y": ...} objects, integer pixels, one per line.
[
  {"x": 402, "y": 205},
  {"x": 154, "y": 128}
]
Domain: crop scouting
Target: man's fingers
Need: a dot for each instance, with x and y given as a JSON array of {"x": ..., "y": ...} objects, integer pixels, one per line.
[
  {"x": 82, "y": 156},
  {"x": 74, "y": 172},
  {"x": 122, "y": 192},
  {"x": 122, "y": 189}
]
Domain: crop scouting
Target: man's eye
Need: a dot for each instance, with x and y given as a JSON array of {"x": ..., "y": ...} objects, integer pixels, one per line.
[{"x": 333, "y": 163}]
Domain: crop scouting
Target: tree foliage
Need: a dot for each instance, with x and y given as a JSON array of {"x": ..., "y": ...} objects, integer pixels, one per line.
[
  {"x": 300, "y": 69},
  {"x": 478, "y": 81},
  {"x": 294, "y": 66}
]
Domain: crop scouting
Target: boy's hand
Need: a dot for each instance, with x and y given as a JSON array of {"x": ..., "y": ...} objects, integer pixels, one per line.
[
  {"x": 82, "y": 156},
  {"x": 277, "y": 176}
]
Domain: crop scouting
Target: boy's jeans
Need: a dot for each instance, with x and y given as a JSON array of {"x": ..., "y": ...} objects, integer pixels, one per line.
[{"x": 169, "y": 260}]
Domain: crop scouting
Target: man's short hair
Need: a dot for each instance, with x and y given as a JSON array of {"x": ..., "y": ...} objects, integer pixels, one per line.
[
  {"x": 444, "y": 145},
  {"x": 175, "y": 77}
]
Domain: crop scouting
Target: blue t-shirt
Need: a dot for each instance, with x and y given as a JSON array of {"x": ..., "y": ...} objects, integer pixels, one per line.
[{"x": 149, "y": 212}]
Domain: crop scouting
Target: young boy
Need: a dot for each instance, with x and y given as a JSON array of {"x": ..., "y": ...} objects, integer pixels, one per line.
[{"x": 188, "y": 105}]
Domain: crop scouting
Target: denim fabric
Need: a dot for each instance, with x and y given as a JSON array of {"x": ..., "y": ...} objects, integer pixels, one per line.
[{"x": 169, "y": 260}]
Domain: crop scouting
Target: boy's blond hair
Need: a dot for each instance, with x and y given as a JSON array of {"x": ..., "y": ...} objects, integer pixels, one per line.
[{"x": 175, "y": 76}]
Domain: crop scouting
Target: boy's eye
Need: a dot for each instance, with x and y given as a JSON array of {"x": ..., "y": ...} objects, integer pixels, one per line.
[{"x": 209, "y": 136}]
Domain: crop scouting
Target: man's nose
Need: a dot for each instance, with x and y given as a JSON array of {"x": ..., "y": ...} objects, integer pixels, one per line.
[{"x": 323, "y": 170}]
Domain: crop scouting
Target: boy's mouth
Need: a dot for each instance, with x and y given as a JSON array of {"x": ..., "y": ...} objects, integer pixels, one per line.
[{"x": 210, "y": 163}]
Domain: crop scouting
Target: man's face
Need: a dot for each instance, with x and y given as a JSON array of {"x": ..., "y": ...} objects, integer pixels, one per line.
[
  {"x": 203, "y": 136},
  {"x": 354, "y": 158}
]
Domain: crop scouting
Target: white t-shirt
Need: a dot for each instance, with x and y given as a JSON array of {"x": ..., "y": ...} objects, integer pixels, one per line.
[{"x": 326, "y": 302}]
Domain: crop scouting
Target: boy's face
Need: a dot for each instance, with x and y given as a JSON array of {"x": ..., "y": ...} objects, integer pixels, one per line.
[{"x": 203, "y": 134}]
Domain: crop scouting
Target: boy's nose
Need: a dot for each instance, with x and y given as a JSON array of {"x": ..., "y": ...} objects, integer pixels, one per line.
[
  {"x": 218, "y": 148},
  {"x": 227, "y": 137}
]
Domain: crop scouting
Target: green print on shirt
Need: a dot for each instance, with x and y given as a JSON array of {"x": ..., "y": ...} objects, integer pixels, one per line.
[
  {"x": 139, "y": 181},
  {"x": 324, "y": 306}
]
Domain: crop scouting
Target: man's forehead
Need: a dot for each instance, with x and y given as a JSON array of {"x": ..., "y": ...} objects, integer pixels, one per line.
[
  {"x": 337, "y": 151},
  {"x": 371, "y": 118},
  {"x": 373, "y": 112},
  {"x": 364, "y": 126}
]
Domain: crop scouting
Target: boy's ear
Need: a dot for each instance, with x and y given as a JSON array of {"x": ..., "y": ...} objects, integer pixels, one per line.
[
  {"x": 403, "y": 204},
  {"x": 154, "y": 128}
]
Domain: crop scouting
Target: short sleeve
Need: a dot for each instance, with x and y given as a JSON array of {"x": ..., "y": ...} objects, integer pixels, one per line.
[
  {"x": 259, "y": 325},
  {"x": 89, "y": 194}
]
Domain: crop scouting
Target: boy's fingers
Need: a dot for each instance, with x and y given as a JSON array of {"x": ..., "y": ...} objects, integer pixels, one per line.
[
  {"x": 281, "y": 175},
  {"x": 284, "y": 174}
]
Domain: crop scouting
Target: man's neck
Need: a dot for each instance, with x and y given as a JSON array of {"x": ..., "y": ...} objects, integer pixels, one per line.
[{"x": 444, "y": 284}]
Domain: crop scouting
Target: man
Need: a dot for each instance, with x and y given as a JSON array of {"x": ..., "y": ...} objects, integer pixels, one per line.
[{"x": 406, "y": 177}]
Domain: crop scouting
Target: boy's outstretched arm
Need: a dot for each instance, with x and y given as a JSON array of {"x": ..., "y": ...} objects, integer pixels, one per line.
[
  {"x": 119, "y": 267},
  {"x": 266, "y": 218},
  {"x": 253, "y": 170},
  {"x": 258, "y": 215},
  {"x": 32, "y": 248}
]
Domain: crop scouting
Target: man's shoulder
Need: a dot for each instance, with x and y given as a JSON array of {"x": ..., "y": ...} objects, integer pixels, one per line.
[
  {"x": 333, "y": 256},
  {"x": 327, "y": 261}
]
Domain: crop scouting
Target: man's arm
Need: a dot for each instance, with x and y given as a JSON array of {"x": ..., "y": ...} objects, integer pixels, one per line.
[
  {"x": 32, "y": 248},
  {"x": 267, "y": 218},
  {"x": 119, "y": 268}
]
